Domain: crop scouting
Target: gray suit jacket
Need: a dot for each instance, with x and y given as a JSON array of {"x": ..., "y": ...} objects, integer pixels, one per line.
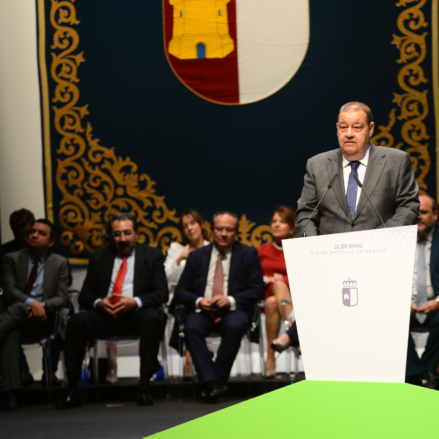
[
  {"x": 389, "y": 182},
  {"x": 13, "y": 279}
]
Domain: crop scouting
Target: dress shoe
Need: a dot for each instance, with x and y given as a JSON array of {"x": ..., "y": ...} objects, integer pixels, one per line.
[
  {"x": 427, "y": 380},
  {"x": 26, "y": 378},
  {"x": 72, "y": 400},
  {"x": 11, "y": 402},
  {"x": 211, "y": 391},
  {"x": 144, "y": 396},
  {"x": 277, "y": 346},
  {"x": 216, "y": 391},
  {"x": 55, "y": 381}
]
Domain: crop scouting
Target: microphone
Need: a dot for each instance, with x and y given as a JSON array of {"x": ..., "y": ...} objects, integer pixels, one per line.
[
  {"x": 331, "y": 183},
  {"x": 360, "y": 185}
]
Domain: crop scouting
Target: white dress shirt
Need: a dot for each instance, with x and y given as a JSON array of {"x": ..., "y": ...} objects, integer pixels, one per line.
[
  {"x": 361, "y": 172},
  {"x": 37, "y": 288},
  {"x": 128, "y": 282},
  {"x": 211, "y": 274},
  {"x": 430, "y": 291}
]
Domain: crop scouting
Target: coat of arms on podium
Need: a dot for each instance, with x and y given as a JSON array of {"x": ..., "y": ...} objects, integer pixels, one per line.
[{"x": 350, "y": 293}]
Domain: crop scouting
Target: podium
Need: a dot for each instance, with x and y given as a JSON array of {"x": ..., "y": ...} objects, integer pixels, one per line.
[{"x": 351, "y": 294}]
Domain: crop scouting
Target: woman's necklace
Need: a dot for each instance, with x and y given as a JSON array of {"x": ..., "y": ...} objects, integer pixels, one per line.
[{"x": 277, "y": 246}]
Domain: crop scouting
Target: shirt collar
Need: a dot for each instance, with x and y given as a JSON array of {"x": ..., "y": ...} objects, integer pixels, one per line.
[
  {"x": 32, "y": 257},
  {"x": 227, "y": 253},
  {"x": 364, "y": 160},
  {"x": 118, "y": 255},
  {"x": 429, "y": 237}
]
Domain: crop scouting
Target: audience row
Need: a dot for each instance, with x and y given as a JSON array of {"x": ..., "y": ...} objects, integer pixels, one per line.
[
  {"x": 218, "y": 283},
  {"x": 124, "y": 290}
]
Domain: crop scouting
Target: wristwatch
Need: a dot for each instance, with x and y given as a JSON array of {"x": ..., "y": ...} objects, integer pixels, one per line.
[{"x": 437, "y": 299}]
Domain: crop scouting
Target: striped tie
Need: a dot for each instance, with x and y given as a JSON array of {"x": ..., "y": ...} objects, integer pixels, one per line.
[{"x": 351, "y": 193}]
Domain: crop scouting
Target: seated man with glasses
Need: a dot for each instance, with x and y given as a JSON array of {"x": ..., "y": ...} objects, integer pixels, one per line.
[{"x": 123, "y": 292}]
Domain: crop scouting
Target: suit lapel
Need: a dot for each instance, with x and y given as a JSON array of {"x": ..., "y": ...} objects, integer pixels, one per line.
[
  {"x": 48, "y": 275},
  {"x": 434, "y": 251},
  {"x": 22, "y": 269},
  {"x": 334, "y": 167},
  {"x": 236, "y": 251},
  {"x": 138, "y": 264},
  {"x": 107, "y": 268},
  {"x": 205, "y": 263},
  {"x": 374, "y": 169}
]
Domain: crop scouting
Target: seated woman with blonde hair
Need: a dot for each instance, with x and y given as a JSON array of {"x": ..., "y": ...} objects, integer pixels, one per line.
[
  {"x": 193, "y": 236},
  {"x": 275, "y": 277}
]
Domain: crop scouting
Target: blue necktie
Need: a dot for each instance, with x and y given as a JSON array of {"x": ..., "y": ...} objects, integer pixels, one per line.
[
  {"x": 351, "y": 193},
  {"x": 421, "y": 280}
]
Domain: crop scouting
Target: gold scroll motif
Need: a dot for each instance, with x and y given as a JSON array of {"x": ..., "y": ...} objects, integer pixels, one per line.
[
  {"x": 412, "y": 105},
  {"x": 94, "y": 182}
]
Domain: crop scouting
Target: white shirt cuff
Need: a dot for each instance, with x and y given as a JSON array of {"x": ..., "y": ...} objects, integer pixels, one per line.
[
  {"x": 232, "y": 303},
  {"x": 28, "y": 301},
  {"x": 139, "y": 302},
  {"x": 95, "y": 303},
  {"x": 197, "y": 304}
]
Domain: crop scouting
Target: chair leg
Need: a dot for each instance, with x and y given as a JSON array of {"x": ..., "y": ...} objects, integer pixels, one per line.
[
  {"x": 261, "y": 355},
  {"x": 47, "y": 351},
  {"x": 288, "y": 362}
]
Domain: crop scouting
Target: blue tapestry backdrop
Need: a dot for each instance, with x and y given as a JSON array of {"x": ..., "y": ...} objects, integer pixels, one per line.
[{"x": 122, "y": 132}]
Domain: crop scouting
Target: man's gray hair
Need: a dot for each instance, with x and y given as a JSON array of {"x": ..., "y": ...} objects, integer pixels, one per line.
[
  {"x": 226, "y": 212},
  {"x": 357, "y": 106}
]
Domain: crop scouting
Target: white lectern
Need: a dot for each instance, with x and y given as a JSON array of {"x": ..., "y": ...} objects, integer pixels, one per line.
[{"x": 351, "y": 294}]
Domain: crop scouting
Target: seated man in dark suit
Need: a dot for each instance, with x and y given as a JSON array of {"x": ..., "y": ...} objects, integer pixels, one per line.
[
  {"x": 35, "y": 286},
  {"x": 425, "y": 297},
  {"x": 123, "y": 292},
  {"x": 219, "y": 287},
  {"x": 20, "y": 222}
]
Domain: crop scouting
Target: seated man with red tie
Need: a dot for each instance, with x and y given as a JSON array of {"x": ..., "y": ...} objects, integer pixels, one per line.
[
  {"x": 35, "y": 282},
  {"x": 219, "y": 287},
  {"x": 123, "y": 292}
]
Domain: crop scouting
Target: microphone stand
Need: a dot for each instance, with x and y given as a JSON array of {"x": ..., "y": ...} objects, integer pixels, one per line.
[{"x": 331, "y": 183}]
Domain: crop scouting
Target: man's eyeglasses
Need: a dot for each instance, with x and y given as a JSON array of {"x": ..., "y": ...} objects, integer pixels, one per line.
[{"x": 124, "y": 232}]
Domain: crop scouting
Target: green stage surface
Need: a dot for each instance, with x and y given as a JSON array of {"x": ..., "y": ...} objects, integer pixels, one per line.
[{"x": 322, "y": 409}]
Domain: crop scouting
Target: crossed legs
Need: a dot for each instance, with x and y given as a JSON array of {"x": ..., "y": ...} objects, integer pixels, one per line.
[{"x": 273, "y": 314}]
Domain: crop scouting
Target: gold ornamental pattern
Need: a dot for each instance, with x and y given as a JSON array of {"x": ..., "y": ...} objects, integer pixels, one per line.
[
  {"x": 411, "y": 104},
  {"x": 94, "y": 181}
]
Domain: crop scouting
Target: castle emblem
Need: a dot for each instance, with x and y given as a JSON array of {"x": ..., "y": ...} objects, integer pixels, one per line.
[
  {"x": 200, "y": 29},
  {"x": 235, "y": 51},
  {"x": 350, "y": 293}
]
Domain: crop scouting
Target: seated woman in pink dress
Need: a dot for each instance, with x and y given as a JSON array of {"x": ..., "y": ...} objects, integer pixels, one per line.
[{"x": 275, "y": 277}]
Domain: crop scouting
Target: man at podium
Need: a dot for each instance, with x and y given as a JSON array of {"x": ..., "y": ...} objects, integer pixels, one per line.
[
  {"x": 359, "y": 186},
  {"x": 331, "y": 200}
]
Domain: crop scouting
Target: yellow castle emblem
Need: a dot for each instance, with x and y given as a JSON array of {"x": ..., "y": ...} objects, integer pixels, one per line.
[{"x": 200, "y": 29}]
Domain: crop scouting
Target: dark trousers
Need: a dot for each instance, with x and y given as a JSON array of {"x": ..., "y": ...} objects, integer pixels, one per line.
[
  {"x": 147, "y": 323},
  {"x": 232, "y": 327},
  {"x": 430, "y": 358},
  {"x": 15, "y": 328}
]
